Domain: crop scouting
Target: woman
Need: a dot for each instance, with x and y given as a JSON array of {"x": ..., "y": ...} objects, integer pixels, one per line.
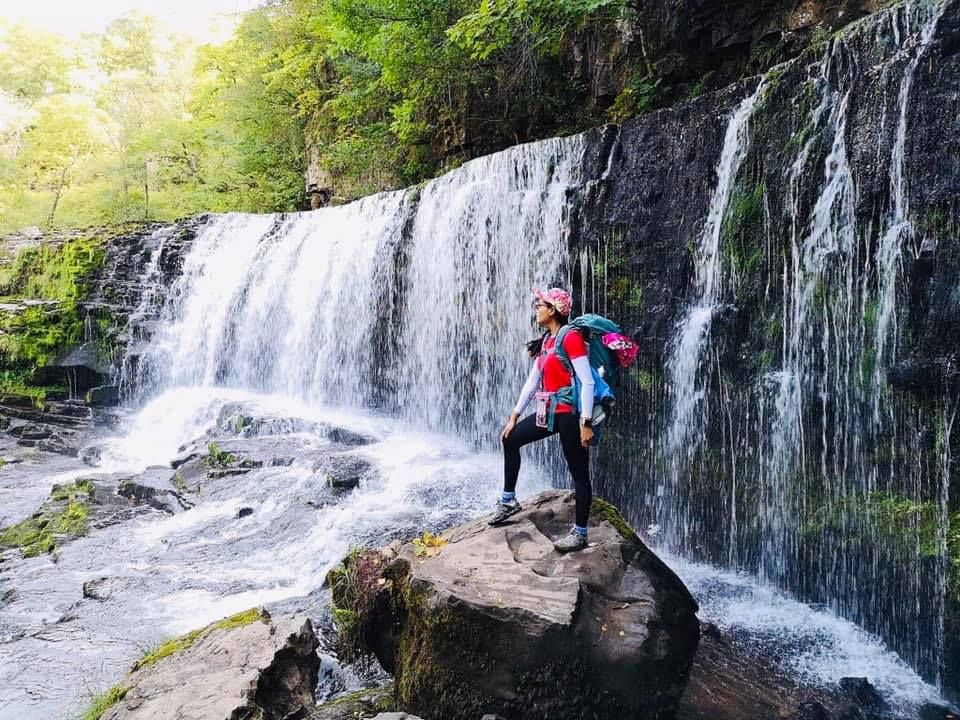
[{"x": 549, "y": 375}]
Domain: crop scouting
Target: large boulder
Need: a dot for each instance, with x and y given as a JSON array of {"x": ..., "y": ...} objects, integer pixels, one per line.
[
  {"x": 247, "y": 667},
  {"x": 494, "y": 620}
]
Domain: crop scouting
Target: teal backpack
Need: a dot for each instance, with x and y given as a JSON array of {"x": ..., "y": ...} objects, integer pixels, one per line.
[{"x": 605, "y": 364}]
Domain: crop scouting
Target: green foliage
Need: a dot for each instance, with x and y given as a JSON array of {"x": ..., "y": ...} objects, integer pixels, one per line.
[
  {"x": 891, "y": 519},
  {"x": 372, "y": 94},
  {"x": 103, "y": 702},
  {"x": 428, "y": 545},
  {"x": 643, "y": 378},
  {"x": 32, "y": 63},
  {"x": 642, "y": 95},
  {"x": 181, "y": 484},
  {"x": 170, "y": 647},
  {"x": 217, "y": 458},
  {"x": 527, "y": 26},
  {"x": 354, "y": 585}
]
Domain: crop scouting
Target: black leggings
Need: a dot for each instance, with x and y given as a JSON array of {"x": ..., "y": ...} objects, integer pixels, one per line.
[{"x": 577, "y": 456}]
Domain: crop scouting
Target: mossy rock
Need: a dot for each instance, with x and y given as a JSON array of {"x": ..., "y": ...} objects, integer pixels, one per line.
[
  {"x": 170, "y": 647},
  {"x": 495, "y": 620},
  {"x": 63, "y": 516},
  {"x": 358, "y": 704}
]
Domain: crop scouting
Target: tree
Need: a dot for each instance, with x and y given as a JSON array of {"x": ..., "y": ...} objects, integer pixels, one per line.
[
  {"x": 57, "y": 142},
  {"x": 32, "y": 63},
  {"x": 129, "y": 43}
]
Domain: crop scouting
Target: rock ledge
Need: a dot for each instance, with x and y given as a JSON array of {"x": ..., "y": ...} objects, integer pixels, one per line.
[{"x": 499, "y": 622}]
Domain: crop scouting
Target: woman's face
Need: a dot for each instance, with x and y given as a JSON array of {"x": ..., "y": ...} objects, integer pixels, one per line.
[{"x": 544, "y": 311}]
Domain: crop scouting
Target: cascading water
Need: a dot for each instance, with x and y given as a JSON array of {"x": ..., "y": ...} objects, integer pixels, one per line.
[
  {"x": 838, "y": 312},
  {"x": 311, "y": 306},
  {"x": 804, "y": 467},
  {"x": 898, "y": 230},
  {"x": 687, "y": 382},
  {"x": 416, "y": 303}
]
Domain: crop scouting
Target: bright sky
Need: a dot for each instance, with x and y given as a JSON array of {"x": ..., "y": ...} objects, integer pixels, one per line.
[{"x": 204, "y": 19}]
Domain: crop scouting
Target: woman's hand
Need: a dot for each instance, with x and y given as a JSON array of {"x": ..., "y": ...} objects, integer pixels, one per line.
[
  {"x": 508, "y": 428},
  {"x": 586, "y": 435}
]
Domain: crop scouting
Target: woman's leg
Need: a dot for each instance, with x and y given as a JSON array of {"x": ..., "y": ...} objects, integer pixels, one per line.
[
  {"x": 578, "y": 460},
  {"x": 525, "y": 432}
]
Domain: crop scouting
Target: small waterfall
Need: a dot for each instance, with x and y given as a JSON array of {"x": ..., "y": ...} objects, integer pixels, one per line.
[
  {"x": 130, "y": 376},
  {"x": 838, "y": 312},
  {"x": 898, "y": 230},
  {"x": 481, "y": 238},
  {"x": 687, "y": 384},
  {"x": 820, "y": 299}
]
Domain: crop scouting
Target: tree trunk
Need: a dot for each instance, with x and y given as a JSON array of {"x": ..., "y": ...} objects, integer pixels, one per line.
[
  {"x": 146, "y": 192},
  {"x": 56, "y": 195}
]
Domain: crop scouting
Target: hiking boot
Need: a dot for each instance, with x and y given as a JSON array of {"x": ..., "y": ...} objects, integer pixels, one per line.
[
  {"x": 571, "y": 541},
  {"x": 504, "y": 510}
]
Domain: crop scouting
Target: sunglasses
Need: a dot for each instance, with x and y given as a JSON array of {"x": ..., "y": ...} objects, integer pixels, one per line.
[{"x": 540, "y": 304}]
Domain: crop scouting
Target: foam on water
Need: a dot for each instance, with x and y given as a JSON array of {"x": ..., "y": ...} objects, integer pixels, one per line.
[{"x": 813, "y": 643}]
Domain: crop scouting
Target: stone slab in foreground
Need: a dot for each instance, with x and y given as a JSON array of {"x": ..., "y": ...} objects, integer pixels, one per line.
[
  {"x": 499, "y": 622},
  {"x": 266, "y": 669}
]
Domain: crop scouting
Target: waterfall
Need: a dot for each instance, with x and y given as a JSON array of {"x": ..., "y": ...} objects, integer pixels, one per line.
[
  {"x": 801, "y": 471},
  {"x": 687, "y": 384},
  {"x": 898, "y": 230},
  {"x": 417, "y": 300},
  {"x": 130, "y": 374}
]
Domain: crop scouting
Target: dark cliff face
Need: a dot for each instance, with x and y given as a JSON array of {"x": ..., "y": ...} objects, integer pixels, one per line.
[{"x": 829, "y": 369}]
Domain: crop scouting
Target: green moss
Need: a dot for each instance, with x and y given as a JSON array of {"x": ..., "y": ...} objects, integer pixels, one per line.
[
  {"x": 819, "y": 37},
  {"x": 894, "y": 520},
  {"x": 16, "y": 381},
  {"x": 937, "y": 224},
  {"x": 953, "y": 551},
  {"x": 104, "y": 701},
  {"x": 642, "y": 94},
  {"x": 603, "y": 510},
  {"x": 181, "y": 484},
  {"x": 624, "y": 292},
  {"x": 40, "y": 534},
  {"x": 361, "y": 703},
  {"x": 643, "y": 378},
  {"x": 805, "y": 102},
  {"x": 78, "y": 489},
  {"x": 170, "y": 647},
  {"x": 743, "y": 231},
  {"x": 35, "y": 336}
]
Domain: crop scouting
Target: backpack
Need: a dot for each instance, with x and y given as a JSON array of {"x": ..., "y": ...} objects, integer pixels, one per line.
[{"x": 608, "y": 350}]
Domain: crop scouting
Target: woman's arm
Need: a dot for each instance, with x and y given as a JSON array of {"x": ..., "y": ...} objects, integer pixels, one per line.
[
  {"x": 529, "y": 388},
  {"x": 581, "y": 366}
]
